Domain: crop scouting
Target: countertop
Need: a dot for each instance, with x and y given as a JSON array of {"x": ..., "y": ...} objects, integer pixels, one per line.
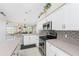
[
  {"x": 70, "y": 48},
  {"x": 7, "y": 47}
]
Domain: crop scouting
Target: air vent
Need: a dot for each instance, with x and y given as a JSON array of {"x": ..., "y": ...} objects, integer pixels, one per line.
[{"x": 2, "y": 13}]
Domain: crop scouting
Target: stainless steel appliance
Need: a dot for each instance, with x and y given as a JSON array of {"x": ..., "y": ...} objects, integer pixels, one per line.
[
  {"x": 45, "y": 35},
  {"x": 47, "y": 25}
]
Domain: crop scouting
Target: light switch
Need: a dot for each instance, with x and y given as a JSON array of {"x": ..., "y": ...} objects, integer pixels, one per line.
[{"x": 66, "y": 35}]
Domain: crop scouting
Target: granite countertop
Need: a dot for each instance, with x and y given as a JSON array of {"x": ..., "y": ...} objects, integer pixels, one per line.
[
  {"x": 71, "y": 49},
  {"x": 7, "y": 47}
]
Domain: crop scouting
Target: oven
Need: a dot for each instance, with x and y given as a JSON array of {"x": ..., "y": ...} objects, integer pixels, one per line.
[
  {"x": 42, "y": 45},
  {"x": 45, "y": 35}
]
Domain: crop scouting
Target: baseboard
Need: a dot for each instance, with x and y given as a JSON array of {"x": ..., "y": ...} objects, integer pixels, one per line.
[{"x": 28, "y": 46}]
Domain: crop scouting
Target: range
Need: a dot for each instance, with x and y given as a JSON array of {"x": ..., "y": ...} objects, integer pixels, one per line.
[{"x": 43, "y": 36}]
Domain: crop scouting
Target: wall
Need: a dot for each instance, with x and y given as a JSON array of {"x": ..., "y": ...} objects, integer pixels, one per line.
[
  {"x": 2, "y": 30},
  {"x": 3, "y": 27}
]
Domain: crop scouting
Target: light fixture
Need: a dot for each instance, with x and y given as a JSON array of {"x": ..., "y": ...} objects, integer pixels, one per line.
[
  {"x": 2, "y": 13},
  {"x": 24, "y": 25}
]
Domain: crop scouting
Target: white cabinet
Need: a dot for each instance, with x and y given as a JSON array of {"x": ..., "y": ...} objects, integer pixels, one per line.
[
  {"x": 26, "y": 40},
  {"x": 53, "y": 51},
  {"x": 58, "y": 19},
  {"x": 30, "y": 39},
  {"x": 72, "y": 16},
  {"x": 40, "y": 24},
  {"x": 50, "y": 50},
  {"x": 66, "y": 18}
]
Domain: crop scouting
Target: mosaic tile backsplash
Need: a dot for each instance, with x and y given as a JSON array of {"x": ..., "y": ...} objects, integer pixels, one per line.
[{"x": 69, "y": 36}]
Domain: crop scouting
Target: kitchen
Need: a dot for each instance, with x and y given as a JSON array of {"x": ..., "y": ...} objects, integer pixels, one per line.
[{"x": 39, "y": 29}]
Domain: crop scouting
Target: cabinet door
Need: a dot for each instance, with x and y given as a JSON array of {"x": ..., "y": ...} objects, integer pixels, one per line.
[
  {"x": 57, "y": 18},
  {"x": 72, "y": 16},
  {"x": 32, "y": 39},
  {"x": 61, "y": 53},
  {"x": 53, "y": 51},
  {"x": 37, "y": 40},
  {"x": 39, "y": 26},
  {"x": 26, "y": 40},
  {"x": 50, "y": 51}
]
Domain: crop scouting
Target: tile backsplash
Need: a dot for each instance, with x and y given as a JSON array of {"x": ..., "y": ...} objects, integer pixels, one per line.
[{"x": 68, "y": 35}]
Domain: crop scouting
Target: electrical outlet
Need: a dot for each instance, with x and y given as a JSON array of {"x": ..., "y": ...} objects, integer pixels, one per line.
[{"x": 66, "y": 35}]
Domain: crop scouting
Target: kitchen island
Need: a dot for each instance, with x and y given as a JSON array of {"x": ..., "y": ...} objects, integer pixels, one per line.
[{"x": 30, "y": 39}]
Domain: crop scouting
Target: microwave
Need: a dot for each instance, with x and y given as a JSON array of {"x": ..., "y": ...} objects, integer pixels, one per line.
[{"x": 47, "y": 25}]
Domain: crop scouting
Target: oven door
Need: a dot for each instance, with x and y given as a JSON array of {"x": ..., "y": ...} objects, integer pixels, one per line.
[{"x": 42, "y": 46}]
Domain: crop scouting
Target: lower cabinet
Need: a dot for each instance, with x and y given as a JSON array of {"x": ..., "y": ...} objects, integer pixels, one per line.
[
  {"x": 31, "y": 39},
  {"x": 53, "y": 51}
]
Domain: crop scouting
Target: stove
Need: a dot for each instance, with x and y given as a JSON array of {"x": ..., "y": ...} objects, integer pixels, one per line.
[{"x": 43, "y": 36}]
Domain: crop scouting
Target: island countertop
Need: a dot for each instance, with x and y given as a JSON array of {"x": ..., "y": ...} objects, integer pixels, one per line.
[
  {"x": 70, "y": 48},
  {"x": 7, "y": 47}
]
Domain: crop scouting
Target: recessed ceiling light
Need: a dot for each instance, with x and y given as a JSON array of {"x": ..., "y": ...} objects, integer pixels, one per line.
[{"x": 26, "y": 12}]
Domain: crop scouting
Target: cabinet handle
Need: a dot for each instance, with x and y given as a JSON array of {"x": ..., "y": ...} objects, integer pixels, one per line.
[{"x": 63, "y": 26}]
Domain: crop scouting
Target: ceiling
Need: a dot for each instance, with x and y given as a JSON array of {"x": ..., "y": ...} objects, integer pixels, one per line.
[{"x": 23, "y": 13}]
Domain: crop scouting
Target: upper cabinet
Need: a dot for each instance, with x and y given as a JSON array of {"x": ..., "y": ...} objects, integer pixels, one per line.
[
  {"x": 72, "y": 16},
  {"x": 57, "y": 18},
  {"x": 49, "y": 8},
  {"x": 65, "y": 17},
  {"x": 47, "y": 16}
]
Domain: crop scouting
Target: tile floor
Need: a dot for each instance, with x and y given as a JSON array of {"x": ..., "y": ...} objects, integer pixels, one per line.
[{"x": 30, "y": 52}]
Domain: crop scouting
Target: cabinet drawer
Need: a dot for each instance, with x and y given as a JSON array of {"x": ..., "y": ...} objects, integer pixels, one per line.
[
  {"x": 51, "y": 47},
  {"x": 54, "y": 51},
  {"x": 61, "y": 53},
  {"x": 50, "y": 51}
]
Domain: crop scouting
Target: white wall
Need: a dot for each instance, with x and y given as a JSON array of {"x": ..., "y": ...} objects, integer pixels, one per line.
[
  {"x": 2, "y": 30},
  {"x": 3, "y": 27}
]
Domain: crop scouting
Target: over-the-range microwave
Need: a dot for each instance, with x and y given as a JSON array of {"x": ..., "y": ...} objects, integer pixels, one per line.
[{"x": 47, "y": 25}]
